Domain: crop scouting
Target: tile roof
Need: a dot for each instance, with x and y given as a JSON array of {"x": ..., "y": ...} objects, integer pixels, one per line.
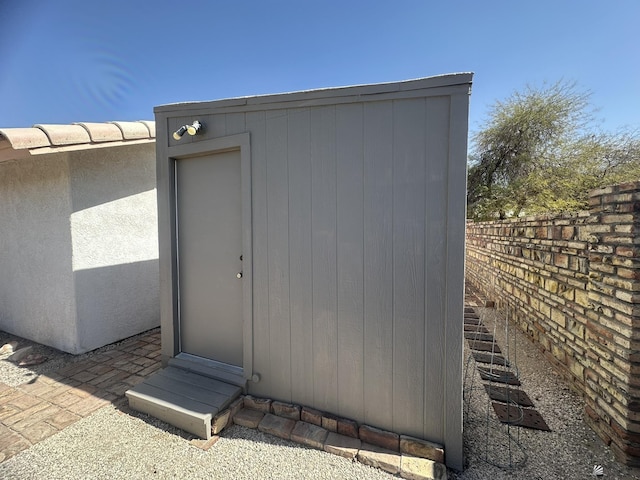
[{"x": 46, "y": 138}]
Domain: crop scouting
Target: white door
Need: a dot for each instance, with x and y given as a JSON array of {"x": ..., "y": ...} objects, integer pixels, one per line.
[{"x": 209, "y": 230}]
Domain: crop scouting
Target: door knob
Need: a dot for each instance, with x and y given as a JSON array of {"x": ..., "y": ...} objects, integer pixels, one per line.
[{"x": 239, "y": 275}]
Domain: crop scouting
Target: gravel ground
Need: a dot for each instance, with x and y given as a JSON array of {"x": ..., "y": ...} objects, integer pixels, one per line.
[
  {"x": 13, "y": 375},
  {"x": 569, "y": 451},
  {"x": 110, "y": 444},
  {"x": 118, "y": 443}
]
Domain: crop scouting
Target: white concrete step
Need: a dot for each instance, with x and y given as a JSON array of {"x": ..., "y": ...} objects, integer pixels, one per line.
[{"x": 182, "y": 398}]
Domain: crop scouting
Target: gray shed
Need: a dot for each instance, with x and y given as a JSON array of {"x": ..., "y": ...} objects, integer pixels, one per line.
[{"x": 312, "y": 249}]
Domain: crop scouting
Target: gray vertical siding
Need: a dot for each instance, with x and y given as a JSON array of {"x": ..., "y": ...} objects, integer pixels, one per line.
[
  {"x": 278, "y": 314},
  {"x": 350, "y": 258},
  {"x": 437, "y": 148},
  {"x": 378, "y": 264},
  {"x": 350, "y": 245},
  {"x": 408, "y": 263},
  {"x": 300, "y": 258},
  {"x": 358, "y": 240},
  {"x": 323, "y": 253}
]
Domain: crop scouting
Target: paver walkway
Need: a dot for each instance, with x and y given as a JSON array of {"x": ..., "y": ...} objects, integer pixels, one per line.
[{"x": 33, "y": 411}]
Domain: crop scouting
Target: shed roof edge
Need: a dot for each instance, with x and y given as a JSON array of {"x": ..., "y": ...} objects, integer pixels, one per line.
[{"x": 452, "y": 79}]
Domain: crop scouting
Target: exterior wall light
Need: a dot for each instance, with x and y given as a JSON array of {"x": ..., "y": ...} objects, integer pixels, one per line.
[
  {"x": 193, "y": 129},
  {"x": 180, "y": 132}
]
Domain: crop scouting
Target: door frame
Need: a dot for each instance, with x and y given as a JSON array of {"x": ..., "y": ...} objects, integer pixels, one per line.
[{"x": 167, "y": 210}]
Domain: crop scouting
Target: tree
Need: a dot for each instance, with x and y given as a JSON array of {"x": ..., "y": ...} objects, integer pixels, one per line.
[{"x": 538, "y": 153}]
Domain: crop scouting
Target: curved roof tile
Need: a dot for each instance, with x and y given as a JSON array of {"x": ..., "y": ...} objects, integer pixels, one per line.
[
  {"x": 43, "y": 138},
  {"x": 21, "y": 138},
  {"x": 133, "y": 130},
  {"x": 65, "y": 134},
  {"x": 102, "y": 132},
  {"x": 151, "y": 126}
]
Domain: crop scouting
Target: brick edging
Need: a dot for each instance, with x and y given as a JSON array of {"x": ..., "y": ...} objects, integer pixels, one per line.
[{"x": 397, "y": 454}]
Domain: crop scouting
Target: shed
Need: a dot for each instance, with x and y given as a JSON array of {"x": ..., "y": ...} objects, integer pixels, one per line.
[
  {"x": 312, "y": 249},
  {"x": 78, "y": 233}
]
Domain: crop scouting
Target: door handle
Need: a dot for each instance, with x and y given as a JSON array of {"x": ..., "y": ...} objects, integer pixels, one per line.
[{"x": 239, "y": 275}]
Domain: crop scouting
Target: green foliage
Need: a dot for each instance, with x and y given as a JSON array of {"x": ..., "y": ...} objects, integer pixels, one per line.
[{"x": 538, "y": 154}]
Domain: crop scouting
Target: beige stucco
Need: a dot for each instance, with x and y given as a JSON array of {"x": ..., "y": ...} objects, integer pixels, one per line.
[{"x": 78, "y": 246}]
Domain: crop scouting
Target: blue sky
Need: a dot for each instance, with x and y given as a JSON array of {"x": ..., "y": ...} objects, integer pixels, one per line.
[{"x": 67, "y": 61}]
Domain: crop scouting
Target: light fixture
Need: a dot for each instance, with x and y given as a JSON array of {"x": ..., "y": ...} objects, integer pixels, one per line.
[
  {"x": 195, "y": 128},
  {"x": 180, "y": 132}
]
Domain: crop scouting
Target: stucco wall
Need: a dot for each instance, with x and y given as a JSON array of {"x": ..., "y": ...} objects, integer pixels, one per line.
[
  {"x": 37, "y": 298},
  {"x": 114, "y": 230},
  {"x": 79, "y": 229}
]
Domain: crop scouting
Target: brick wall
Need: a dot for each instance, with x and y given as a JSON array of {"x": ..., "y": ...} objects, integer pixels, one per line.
[{"x": 572, "y": 283}]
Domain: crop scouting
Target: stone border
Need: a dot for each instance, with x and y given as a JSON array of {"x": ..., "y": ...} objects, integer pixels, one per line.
[{"x": 407, "y": 456}]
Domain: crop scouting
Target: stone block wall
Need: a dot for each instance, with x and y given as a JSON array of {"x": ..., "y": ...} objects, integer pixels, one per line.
[{"x": 572, "y": 283}]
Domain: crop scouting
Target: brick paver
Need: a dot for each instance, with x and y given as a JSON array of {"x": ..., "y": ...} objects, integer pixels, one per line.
[
  {"x": 84, "y": 376},
  {"x": 36, "y": 388},
  {"x": 39, "y": 431},
  {"x": 87, "y": 405},
  {"x": 23, "y": 414},
  {"x": 63, "y": 419},
  {"x": 24, "y": 401},
  {"x": 5, "y": 390},
  {"x": 105, "y": 376},
  {"x": 34, "y": 411},
  {"x": 84, "y": 390},
  {"x": 66, "y": 399},
  {"x": 39, "y": 416},
  {"x": 7, "y": 411},
  {"x": 57, "y": 390}
]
